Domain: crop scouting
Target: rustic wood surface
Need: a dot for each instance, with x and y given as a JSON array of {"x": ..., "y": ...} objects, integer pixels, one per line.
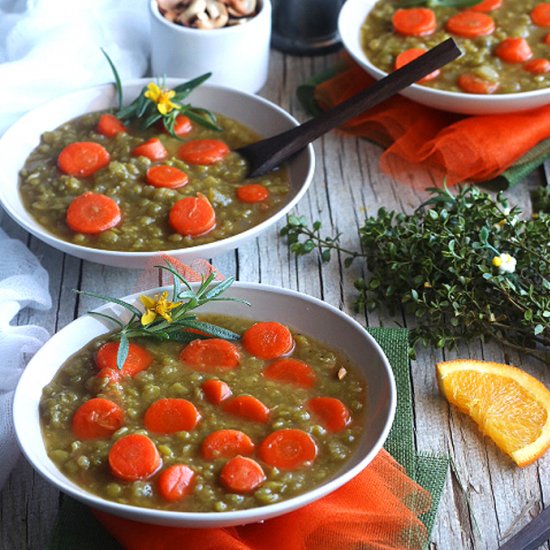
[{"x": 486, "y": 498}]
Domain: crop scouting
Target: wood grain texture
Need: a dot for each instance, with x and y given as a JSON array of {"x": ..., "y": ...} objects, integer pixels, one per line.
[{"x": 486, "y": 499}]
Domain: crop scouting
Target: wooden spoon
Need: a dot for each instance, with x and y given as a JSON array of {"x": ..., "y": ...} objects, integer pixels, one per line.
[{"x": 267, "y": 154}]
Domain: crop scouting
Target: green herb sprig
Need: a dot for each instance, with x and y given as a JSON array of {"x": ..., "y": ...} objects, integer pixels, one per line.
[
  {"x": 165, "y": 319},
  {"x": 467, "y": 267},
  {"x": 157, "y": 103}
]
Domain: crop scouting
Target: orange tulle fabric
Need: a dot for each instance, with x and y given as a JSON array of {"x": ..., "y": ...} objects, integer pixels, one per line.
[
  {"x": 377, "y": 510},
  {"x": 417, "y": 138}
]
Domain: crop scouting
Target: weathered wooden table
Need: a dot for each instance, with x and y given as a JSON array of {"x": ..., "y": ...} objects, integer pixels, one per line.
[{"x": 486, "y": 497}]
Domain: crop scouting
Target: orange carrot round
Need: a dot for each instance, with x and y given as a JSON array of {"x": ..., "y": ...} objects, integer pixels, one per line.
[
  {"x": 203, "y": 151},
  {"x": 268, "y": 340},
  {"x": 537, "y": 66},
  {"x": 153, "y": 149},
  {"x": 134, "y": 457},
  {"x": 166, "y": 176},
  {"x": 112, "y": 375},
  {"x": 288, "y": 449},
  {"x": 410, "y": 55},
  {"x": 414, "y": 21},
  {"x": 182, "y": 125},
  {"x": 97, "y": 418},
  {"x": 472, "y": 84},
  {"x": 169, "y": 415},
  {"x": 470, "y": 24},
  {"x": 83, "y": 158},
  {"x": 242, "y": 475},
  {"x": 138, "y": 358},
  {"x": 253, "y": 192},
  {"x": 226, "y": 444},
  {"x": 192, "y": 216},
  {"x": 175, "y": 482},
  {"x": 292, "y": 371},
  {"x": 216, "y": 391},
  {"x": 247, "y": 407},
  {"x": 540, "y": 14},
  {"x": 332, "y": 413},
  {"x": 109, "y": 125},
  {"x": 514, "y": 50},
  {"x": 487, "y": 6},
  {"x": 92, "y": 213},
  {"x": 211, "y": 353}
]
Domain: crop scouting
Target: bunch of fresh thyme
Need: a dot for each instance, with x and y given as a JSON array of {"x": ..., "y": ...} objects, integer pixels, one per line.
[
  {"x": 466, "y": 266},
  {"x": 168, "y": 319}
]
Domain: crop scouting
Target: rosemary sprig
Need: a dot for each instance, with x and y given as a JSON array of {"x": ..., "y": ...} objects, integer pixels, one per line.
[
  {"x": 467, "y": 267},
  {"x": 156, "y": 103},
  {"x": 165, "y": 319}
]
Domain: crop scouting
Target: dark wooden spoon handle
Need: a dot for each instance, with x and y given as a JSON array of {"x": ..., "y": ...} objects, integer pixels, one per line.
[{"x": 269, "y": 153}]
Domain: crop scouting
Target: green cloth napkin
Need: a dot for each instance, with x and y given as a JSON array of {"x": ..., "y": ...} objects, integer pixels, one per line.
[
  {"x": 76, "y": 527},
  {"x": 514, "y": 175}
]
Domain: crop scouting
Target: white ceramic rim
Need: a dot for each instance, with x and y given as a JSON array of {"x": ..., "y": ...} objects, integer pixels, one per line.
[
  {"x": 20, "y": 409},
  {"x": 265, "y": 5},
  {"x": 134, "y": 259},
  {"x": 358, "y": 10}
]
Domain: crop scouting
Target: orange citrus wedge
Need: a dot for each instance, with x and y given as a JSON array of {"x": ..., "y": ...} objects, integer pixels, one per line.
[{"x": 508, "y": 405}]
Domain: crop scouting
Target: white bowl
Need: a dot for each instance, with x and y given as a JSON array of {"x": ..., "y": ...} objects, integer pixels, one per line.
[
  {"x": 351, "y": 18},
  {"x": 237, "y": 56},
  {"x": 302, "y": 313},
  {"x": 264, "y": 117}
]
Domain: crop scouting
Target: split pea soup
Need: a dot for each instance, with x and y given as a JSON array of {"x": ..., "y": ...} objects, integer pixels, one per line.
[{"x": 209, "y": 426}]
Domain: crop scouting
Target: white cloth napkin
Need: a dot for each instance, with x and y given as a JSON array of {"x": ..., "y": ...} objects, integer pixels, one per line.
[
  {"x": 49, "y": 48},
  {"x": 52, "y": 47},
  {"x": 24, "y": 283}
]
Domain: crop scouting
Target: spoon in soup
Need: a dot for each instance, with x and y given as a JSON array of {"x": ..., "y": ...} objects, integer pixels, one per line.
[{"x": 267, "y": 154}]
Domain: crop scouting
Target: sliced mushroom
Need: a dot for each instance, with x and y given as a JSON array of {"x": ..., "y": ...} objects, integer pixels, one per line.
[{"x": 241, "y": 8}]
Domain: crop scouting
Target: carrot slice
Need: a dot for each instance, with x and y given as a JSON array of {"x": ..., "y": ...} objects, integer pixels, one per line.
[
  {"x": 414, "y": 21},
  {"x": 247, "y": 407},
  {"x": 166, "y": 176},
  {"x": 182, "y": 125},
  {"x": 216, "y": 391},
  {"x": 211, "y": 353},
  {"x": 514, "y": 50},
  {"x": 268, "y": 340},
  {"x": 470, "y": 24},
  {"x": 97, "y": 418},
  {"x": 192, "y": 216},
  {"x": 153, "y": 149},
  {"x": 112, "y": 375},
  {"x": 487, "y": 5},
  {"x": 203, "y": 151},
  {"x": 138, "y": 358},
  {"x": 288, "y": 449},
  {"x": 169, "y": 415},
  {"x": 537, "y": 66},
  {"x": 226, "y": 444},
  {"x": 175, "y": 482},
  {"x": 242, "y": 475},
  {"x": 292, "y": 371},
  {"x": 410, "y": 55},
  {"x": 472, "y": 84},
  {"x": 134, "y": 457},
  {"x": 83, "y": 158},
  {"x": 253, "y": 192},
  {"x": 540, "y": 14},
  {"x": 92, "y": 213},
  {"x": 332, "y": 413},
  {"x": 109, "y": 125}
]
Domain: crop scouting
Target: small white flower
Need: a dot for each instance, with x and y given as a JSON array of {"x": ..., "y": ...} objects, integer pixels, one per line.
[{"x": 505, "y": 263}]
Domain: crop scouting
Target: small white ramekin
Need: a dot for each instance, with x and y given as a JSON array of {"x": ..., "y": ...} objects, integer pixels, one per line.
[{"x": 237, "y": 56}]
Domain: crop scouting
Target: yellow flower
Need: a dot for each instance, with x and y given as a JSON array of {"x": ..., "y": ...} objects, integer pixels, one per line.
[
  {"x": 505, "y": 263},
  {"x": 161, "y": 97},
  {"x": 159, "y": 305}
]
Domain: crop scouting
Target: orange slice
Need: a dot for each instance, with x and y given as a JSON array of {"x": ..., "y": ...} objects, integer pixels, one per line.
[{"x": 508, "y": 405}]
